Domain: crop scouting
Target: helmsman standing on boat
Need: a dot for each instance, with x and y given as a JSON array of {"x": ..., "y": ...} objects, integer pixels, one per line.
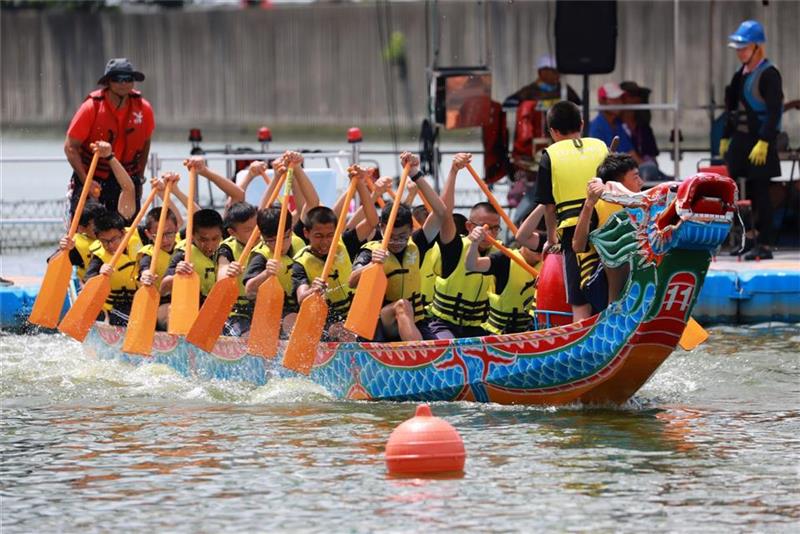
[{"x": 118, "y": 114}]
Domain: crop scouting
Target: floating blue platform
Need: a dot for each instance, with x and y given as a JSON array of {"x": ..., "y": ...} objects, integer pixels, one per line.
[{"x": 737, "y": 292}]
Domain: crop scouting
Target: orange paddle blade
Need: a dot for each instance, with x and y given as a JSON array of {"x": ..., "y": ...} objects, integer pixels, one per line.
[
  {"x": 184, "y": 304},
  {"x": 265, "y": 329},
  {"x": 693, "y": 335},
  {"x": 50, "y": 300},
  {"x": 142, "y": 322},
  {"x": 366, "y": 306},
  {"x": 301, "y": 351},
  {"x": 84, "y": 311},
  {"x": 218, "y": 305}
]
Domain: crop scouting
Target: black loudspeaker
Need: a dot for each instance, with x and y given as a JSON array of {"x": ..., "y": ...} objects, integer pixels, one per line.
[{"x": 586, "y": 36}]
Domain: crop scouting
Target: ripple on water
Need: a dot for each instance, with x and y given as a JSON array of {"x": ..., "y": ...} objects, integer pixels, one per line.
[{"x": 710, "y": 443}]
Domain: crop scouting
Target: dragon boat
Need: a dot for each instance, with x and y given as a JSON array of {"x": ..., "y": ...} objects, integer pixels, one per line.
[{"x": 667, "y": 235}]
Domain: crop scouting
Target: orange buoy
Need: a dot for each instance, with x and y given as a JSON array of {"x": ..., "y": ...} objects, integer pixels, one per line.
[
  {"x": 551, "y": 293},
  {"x": 425, "y": 444}
]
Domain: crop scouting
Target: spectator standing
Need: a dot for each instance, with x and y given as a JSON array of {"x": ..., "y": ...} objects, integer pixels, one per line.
[
  {"x": 118, "y": 114},
  {"x": 754, "y": 103}
]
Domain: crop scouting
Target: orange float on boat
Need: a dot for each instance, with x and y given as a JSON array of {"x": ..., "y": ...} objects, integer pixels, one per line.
[{"x": 425, "y": 444}]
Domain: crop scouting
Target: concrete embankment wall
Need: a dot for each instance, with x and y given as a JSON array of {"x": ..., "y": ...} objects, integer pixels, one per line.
[{"x": 321, "y": 65}]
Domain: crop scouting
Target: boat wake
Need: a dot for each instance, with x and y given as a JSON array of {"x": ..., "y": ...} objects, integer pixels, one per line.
[
  {"x": 736, "y": 364},
  {"x": 47, "y": 369}
]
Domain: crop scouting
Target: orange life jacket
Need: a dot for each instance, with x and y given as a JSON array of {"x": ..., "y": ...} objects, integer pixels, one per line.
[{"x": 106, "y": 128}]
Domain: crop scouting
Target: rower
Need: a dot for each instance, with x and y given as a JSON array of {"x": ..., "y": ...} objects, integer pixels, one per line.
[
  {"x": 168, "y": 240},
  {"x": 207, "y": 235},
  {"x": 110, "y": 229},
  {"x": 600, "y": 283},
  {"x": 402, "y": 315},
  {"x": 514, "y": 289},
  {"x": 319, "y": 229},
  {"x": 460, "y": 298},
  {"x": 79, "y": 246},
  {"x": 239, "y": 221},
  {"x": 262, "y": 265},
  {"x": 565, "y": 168}
]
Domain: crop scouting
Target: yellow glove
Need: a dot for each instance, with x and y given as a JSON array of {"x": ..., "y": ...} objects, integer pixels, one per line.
[
  {"x": 723, "y": 147},
  {"x": 758, "y": 156}
]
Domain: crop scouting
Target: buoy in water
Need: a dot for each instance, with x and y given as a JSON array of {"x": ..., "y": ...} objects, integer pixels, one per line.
[{"x": 425, "y": 444}]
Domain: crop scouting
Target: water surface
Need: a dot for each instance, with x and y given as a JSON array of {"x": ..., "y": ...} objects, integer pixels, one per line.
[{"x": 710, "y": 444}]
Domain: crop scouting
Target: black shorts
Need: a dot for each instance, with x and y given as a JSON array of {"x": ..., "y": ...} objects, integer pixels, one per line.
[
  {"x": 109, "y": 192},
  {"x": 596, "y": 290},
  {"x": 572, "y": 273}
]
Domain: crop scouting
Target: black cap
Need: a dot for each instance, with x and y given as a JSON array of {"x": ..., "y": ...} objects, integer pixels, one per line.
[
  {"x": 633, "y": 88},
  {"x": 120, "y": 65}
]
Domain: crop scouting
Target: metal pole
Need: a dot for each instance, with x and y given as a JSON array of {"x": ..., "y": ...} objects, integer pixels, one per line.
[{"x": 676, "y": 146}]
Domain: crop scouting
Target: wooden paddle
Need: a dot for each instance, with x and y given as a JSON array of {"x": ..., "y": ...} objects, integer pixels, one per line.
[
  {"x": 50, "y": 300},
  {"x": 144, "y": 310},
  {"x": 83, "y": 314},
  {"x": 368, "y": 300},
  {"x": 265, "y": 327},
  {"x": 693, "y": 335},
  {"x": 302, "y": 348},
  {"x": 220, "y": 300},
  {"x": 508, "y": 252},
  {"x": 185, "y": 299},
  {"x": 493, "y": 201}
]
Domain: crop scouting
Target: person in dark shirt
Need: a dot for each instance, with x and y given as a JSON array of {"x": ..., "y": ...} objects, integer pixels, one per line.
[
  {"x": 319, "y": 229},
  {"x": 754, "y": 103},
  {"x": 402, "y": 316}
]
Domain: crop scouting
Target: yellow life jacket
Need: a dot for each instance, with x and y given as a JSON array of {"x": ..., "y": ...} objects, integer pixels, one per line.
[
  {"x": 205, "y": 267},
  {"x": 83, "y": 244},
  {"x": 462, "y": 298},
  {"x": 573, "y": 162},
  {"x": 431, "y": 268},
  {"x": 589, "y": 260},
  {"x": 508, "y": 311},
  {"x": 284, "y": 274},
  {"x": 162, "y": 263},
  {"x": 123, "y": 279},
  {"x": 243, "y": 306},
  {"x": 339, "y": 294},
  {"x": 403, "y": 278}
]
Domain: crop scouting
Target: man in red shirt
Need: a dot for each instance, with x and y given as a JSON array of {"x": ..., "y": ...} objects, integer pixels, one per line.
[{"x": 118, "y": 114}]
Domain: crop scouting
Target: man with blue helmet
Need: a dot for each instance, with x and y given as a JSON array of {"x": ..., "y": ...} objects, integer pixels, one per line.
[{"x": 754, "y": 102}]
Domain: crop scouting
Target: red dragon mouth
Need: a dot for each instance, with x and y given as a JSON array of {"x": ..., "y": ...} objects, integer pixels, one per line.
[{"x": 705, "y": 197}]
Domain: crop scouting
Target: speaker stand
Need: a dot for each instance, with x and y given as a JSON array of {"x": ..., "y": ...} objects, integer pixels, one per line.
[{"x": 585, "y": 99}]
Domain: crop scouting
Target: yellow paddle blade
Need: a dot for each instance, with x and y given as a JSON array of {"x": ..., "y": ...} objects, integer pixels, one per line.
[
  {"x": 142, "y": 322},
  {"x": 184, "y": 304},
  {"x": 50, "y": 300},
  {"x": 265, "y": 329},
  {"x": 83, "y": 313},
  {"x": 302, "y": 348},
  {"x": 693, "y": 335},
  {"x": 367, "y": 302},
  {"x": 209, "y": 323}
]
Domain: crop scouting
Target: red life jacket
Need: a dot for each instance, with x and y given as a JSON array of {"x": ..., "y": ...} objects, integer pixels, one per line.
[
  {"x": 106, "y": 128},
  {"x": 530, "y": 126}
]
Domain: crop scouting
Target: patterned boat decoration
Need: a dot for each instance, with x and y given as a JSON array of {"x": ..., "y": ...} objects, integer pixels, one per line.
[{"x": 667, "y": 235}]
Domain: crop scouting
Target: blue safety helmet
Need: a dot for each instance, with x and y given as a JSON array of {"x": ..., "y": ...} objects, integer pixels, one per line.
[{"x": 749, "y": 32}]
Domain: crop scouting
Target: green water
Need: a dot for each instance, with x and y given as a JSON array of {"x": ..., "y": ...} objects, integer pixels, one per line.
[{"x": 711, "y": 443}]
